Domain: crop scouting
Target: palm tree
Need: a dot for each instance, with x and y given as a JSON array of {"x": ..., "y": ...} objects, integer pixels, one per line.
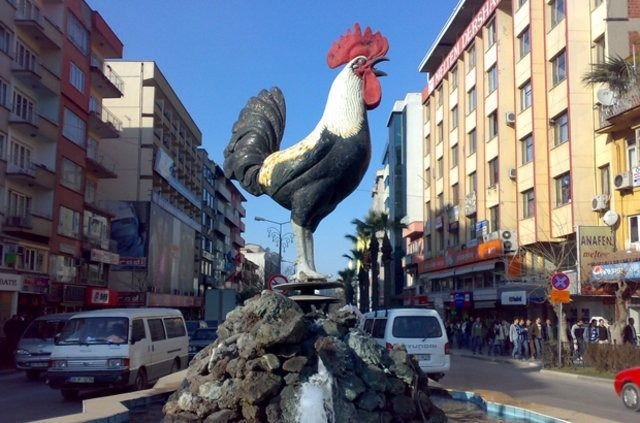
[
  {"x": 347, "y": 275},
  {"x": 360, "y": 256},
  {"x": 619, "y": 74}
]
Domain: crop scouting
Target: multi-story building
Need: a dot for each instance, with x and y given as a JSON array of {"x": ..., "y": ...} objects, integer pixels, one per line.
[
  {"x": 55, "y": 247},
  {"x": 221, "y": 239},
  {"x": 267, "y": 261},
  {"x": 155, "y": 199},
  {"x": 510, "y": 147}
]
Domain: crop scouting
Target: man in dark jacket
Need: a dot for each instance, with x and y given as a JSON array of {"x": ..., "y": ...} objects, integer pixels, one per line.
[{"x": 629, "y": 335}]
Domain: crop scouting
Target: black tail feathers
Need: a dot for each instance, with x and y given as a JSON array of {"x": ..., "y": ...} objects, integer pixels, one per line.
[{"x": 256, "y": 134}]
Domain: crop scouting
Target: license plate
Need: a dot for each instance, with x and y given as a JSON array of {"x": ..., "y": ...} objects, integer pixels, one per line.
[
  {"x": 39, "y": 364},
  {"x": 81, "y": 379},
  {"x": 423, "y": 357}
]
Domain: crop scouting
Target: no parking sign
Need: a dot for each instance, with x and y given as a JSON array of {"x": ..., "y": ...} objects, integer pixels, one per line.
[{"x": 276, "y": 280}]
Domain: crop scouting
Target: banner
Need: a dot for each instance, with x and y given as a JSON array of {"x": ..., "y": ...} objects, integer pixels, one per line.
[{"x": 595, "y": 244}]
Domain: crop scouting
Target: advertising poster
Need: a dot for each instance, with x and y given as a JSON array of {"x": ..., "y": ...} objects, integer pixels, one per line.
[
  {"x": 595, "y": 244},
  {"x": 130, "y": 229}
]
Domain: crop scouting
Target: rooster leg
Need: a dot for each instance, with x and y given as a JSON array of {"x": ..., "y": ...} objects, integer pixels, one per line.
[{"x": 304, "y": 249}]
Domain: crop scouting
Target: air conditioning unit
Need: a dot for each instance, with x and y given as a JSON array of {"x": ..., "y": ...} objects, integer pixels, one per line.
[
  {"x": 623, "y": 181},
  {"x": 510, "y": 118},
  {"x": 513, "y": 173},
  {"x": 600, "y": 202},
  {"x": 491, "y": 236},
  {"x": 509, "y": 241}
]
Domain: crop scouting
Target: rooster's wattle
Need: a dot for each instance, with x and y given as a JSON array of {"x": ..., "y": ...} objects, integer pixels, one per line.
[{"x": 313, "y": 176}]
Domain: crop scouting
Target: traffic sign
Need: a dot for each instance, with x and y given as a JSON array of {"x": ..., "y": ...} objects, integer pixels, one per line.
[
  {"x": 276, "y": 280},
  {"x": 559, "y": 296},
  {"x": 560, "y": 281}
]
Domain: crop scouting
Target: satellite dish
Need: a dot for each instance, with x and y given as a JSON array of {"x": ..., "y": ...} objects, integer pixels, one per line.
[
  {"x": 606, "y": 97},
  {"x": 610, "y": 218}
]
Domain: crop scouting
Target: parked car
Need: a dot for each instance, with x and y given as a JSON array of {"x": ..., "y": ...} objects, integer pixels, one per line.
[
  {"x": 192, "y": 325},
  {"x": 35, "y": 345},
  {"x": 117, "y": 348},
  {"x": 421, "y": 331},
  {"x": 627, "y": 386},
  {"x": 201, "y": 338}
]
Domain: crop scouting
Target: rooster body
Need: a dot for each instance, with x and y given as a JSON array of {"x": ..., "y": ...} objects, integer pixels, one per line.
[{"x": 313, "y": 176}]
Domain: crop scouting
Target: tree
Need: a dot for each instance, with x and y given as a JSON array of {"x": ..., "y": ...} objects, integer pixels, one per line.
[
  {"x": 618, "y": 73},
  {"x": 359, "y": 258},
  {"x": 347, "y": 276}
]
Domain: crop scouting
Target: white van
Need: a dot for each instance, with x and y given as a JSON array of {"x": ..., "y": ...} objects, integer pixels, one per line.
[
  {"x": 420, "y": 330},
  {"x": 117, "y": 348}
]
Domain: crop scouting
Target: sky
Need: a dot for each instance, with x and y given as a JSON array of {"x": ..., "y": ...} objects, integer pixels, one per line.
[{"x": 218, "y": 54}]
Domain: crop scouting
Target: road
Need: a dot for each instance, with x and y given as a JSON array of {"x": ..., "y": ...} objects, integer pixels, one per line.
[{"x": 528, "y": 384}]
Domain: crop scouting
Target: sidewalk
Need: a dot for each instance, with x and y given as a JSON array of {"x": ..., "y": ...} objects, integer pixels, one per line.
[{"x": 497, "y": 358}]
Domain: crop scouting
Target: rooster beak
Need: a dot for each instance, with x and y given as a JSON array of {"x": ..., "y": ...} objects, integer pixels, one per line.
[{"x": 374, "y": 62}]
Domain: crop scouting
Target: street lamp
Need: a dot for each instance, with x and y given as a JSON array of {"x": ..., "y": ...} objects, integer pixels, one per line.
[{"x": 277, "y": 234}]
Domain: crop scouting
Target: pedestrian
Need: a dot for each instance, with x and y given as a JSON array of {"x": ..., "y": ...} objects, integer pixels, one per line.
[
  {"x": 578, "y": 338},
  {"x": 499, "y": 337},
  {"x": 490, "y": 336},
  {"x": 603, "y": 333},
  {"x": 592, "y": 336},
  {"x": 513, "y": 338},
  {"x": 506, "y": 341},
  {"x": 536, "y": 338},
  {"x": 629, "y": 335},
  {"x": 527, "y": 343},
  {"x": 13, "y": 329},
  {"x": 548, "y": 332},
  {"x": 477, "y": 333},
  {"x": 467, "y": 333}
]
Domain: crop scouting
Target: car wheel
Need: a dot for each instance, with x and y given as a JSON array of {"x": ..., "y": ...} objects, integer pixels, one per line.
[
  {"x": 141, "y": 380},
  {"x": 69, "y": 394},
  {"x": 33, "y": 375},
  {"x": 631, "y": 396}
]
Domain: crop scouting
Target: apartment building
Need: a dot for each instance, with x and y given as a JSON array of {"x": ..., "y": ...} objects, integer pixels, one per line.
[
  {"x": 512, "y": 162},
  {"x": 54, "y": 243},
  {"x": 220, "y": 240},
  {"x": 155, "y": 199}
]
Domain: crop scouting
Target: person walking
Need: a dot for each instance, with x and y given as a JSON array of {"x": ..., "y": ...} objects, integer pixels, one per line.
[
  {"x": 499, "y": 337},
  {"x": 548, "y": 332},
  {"x": 477, "y": 336},
  {"x": 523, "y": 338},
  {"x": 536, "y": 338},
  {"x": 578, "y": 338},
  {"x": 629, "y": 335},
  {"x": 506, "y": 342},
  {"x": 490, "y": 336},
  {"x": 592, "y": 335},
  {"x": 513, "y": 338},
  {"x": 603, "y": 333}
]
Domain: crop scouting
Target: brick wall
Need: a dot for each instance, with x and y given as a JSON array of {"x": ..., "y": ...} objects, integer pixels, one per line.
[{"x": 633, "y": 8}]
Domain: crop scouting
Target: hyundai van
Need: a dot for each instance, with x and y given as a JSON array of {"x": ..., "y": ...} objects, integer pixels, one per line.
[
  {"x": 420, "y": 330},
  {"x": 117, "y": 348}
]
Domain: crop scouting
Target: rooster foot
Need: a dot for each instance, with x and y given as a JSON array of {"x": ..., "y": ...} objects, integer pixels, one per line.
[{"x": 307, "y": 275}]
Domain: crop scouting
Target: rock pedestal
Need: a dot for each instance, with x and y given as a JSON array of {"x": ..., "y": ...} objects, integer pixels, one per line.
[{"x": 268, "y": 348}]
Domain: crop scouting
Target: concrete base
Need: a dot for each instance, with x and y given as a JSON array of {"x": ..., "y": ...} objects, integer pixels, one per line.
[{"x": 304, "y": 293}]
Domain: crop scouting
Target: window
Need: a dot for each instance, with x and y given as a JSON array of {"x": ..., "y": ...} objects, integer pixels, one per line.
[
  {"x": 74, "y": 128},
  {"x": 454, "y": 117},
  {"x": 632, "y": 153},
  {"x": 605, "y": 180},
  {"x": 634, "y": 228},
  {"x": 453, "y": 79},
  {"x": 3, "y": 143},
  {"x": 472, "y": 182},
  {"x": 524, "y": 42},
  {"x": 559, "y": 68},
  {"x": 23, "y": 106},
  {"x": 31, "y": 260},
  {"x": 455, "y": 194},
  {"x": 528, "y": 206},
  {"x": 492, "y": 79},
  {"x": 19, "y": 155},
  {"x": 5, "y": 39},
  {"x": 440, "y": 129},
  {"x": 427, "y": 145},
  {"x": 368, "y": 324},
  {"x": 96, "y": 228},
  {"x": 76, "y": 77},
  {"x": 494, "y": 218},
  {"x": 175, "y": 327},
  {"x": 439, "y": 168},
  {"x": 471, "y": 142},
  {"x": 137, "y": 330},
  {"x": 156, "y": 329},
  {"x": 557, "y": 12},
  {"x": 527, "y": 149},
  {"x": 25, "y": 58},
  {"x": 525, "y": 96},
  {"x": 378, "y": 328},
  {"x": 471, "y": 100},
  {"x": 521, "y": 3},
  {"x": 599, "y": 50},
  {"x": 69, "y": 223},
  {"x": 4, "y": 93},
  {"x": 19, "y": 205},
  {"x": 454, "y": 156},
  {"x": 493, "y": 172},
  {"x": 77, "y": 33},
  {"x": 471, "y": 227},
  {"x": 440, "y": 95},
  {"x": 563, "y": 189},
  {"x": 492, "y": 125},
  {"x": 427, "y": 178},
  {"x": 471, "y": 58},
  {"x": 491, "y": 33},
  {"x": 561, "y": 129},
  {"x": 71, "y": 175}
]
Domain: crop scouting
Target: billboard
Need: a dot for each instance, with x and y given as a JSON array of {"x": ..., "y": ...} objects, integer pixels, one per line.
[
  {"x": 171, "y": 252},
  {"x": 130, "y": 229},
  {"x": 595, "y": 244}
]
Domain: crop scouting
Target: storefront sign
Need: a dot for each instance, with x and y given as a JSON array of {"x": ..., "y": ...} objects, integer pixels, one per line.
[
  {"x": 595, "y": 245},
  {"x": 514, "y": 298},
  {"x": 616, "y": 271},
  {"x": 461, "y": 299},
  {"x": 132, "y": 262},
  {"x": 559, "y": 296},
  {"x": 132, "y": 299},
  {"x": 10, "y": 282},
  {"x": 102, "y": 256},
  {"x": 67, "y": 248},
  {"x": 635, "y": 175},
  {"x": 451, "y": 258},
  {"x": 35, "y": 285},
  {"x": 168, "y": 300},
  {"x": 101, "y": 297},
  {"x": 207, "y": 255}
]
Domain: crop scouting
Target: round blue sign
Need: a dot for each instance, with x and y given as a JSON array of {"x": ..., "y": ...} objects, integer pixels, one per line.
[{"x": 560, "y": 281}]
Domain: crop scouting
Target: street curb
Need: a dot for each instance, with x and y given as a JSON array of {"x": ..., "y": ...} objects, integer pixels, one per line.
[
  {"x": 515, "y": 362},
  {"x": 579, "y": 377}
]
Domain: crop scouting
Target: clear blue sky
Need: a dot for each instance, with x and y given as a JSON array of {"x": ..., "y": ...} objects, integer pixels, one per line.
[{"x": 217, "y": 54}]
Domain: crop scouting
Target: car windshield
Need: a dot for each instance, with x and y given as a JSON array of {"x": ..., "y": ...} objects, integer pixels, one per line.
[
  {"x": 204, "y": 335},
  {"x": 43, "y": 329},
  {"x": 416, "y": 327},
  {"x": 95, "y": 330}
]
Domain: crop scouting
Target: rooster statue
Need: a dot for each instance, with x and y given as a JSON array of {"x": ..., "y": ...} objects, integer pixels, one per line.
[{"x": 311, "y": 177}]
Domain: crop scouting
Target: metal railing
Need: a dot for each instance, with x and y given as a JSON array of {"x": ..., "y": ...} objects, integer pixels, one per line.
[
  {"x": 628, "y": 101},
  {"x": 104, "y": 113},
  {"x": 28, "y": 11},
  {"x": 92, "y": 154},
  {"x": 26, "y": 169},
  {"x": 109, "y": 73}
]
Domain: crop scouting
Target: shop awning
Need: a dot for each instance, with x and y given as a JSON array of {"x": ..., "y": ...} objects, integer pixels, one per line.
[{"x": 439, "y": 275}]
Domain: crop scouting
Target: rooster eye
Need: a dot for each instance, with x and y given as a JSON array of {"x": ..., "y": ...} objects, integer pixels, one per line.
[{"x": 359, "y": 62}]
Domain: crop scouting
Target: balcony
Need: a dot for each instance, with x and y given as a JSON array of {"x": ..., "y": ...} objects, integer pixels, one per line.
[
  {"x": 621, "y": 112},
  {"x": 470, "y": 202},
  {"x": 97, "y": 163},
  {"x": 105, "y": 81},
  {"x": 32, "y": 175},
  {"x": 220, "y": 227},
  {"x": 38, "y": 77},
  {"x": 47, "y": 129},
  {"x": 35, "y": 26},
  {"x": 237, "y": 240},
  {"x": 33, "y": 226},
  {"x": 26, "y": 123},
  {"x": 102, "y": 122},
  {"x": 413, "y": 230}
]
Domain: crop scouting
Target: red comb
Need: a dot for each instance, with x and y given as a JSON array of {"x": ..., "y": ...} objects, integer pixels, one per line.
[{"x": 354, "y": 44}]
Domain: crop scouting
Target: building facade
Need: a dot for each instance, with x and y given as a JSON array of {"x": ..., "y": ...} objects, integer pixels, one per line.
[
  {"x": 509, "y": 130},
  {"x": 55, "y": 245}
]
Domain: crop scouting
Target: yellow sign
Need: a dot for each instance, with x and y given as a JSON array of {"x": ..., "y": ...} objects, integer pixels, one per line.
[{"x": 559, "y": 296}]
